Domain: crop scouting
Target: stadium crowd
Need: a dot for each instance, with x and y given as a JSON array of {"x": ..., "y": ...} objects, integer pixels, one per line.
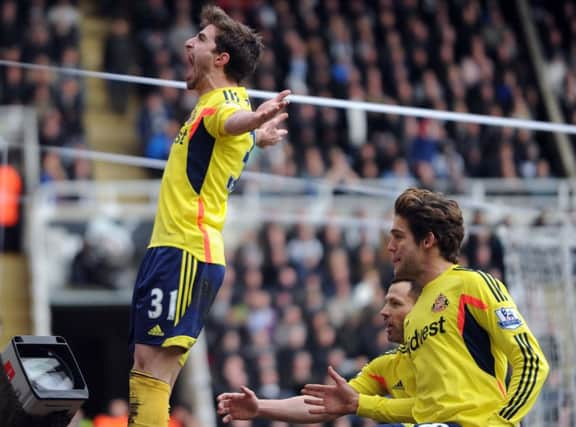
[
  {"x": 557, "y": 28},
  {"x": 424, "y": 54},
  {"x": 46, "y": 33},
  {"x": 407, "y": 53}
]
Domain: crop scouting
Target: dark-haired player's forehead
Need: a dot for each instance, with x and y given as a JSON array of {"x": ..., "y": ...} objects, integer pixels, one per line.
[
  {"x": 398, "y": 291},
  {"x": 210, "y": 29},
  {"x": 207, "y": 32},
  {"x": 400, "y": 227}
]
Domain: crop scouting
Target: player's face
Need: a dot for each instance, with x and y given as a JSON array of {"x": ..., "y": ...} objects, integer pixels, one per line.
[
  {"x": 406, "y": 254},
  {"x": 397, "y": 303},
  {"x": 200, "y": 54}
]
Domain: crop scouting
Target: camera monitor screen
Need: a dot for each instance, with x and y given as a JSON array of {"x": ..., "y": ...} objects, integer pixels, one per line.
[{"x": 47, "y": 373}]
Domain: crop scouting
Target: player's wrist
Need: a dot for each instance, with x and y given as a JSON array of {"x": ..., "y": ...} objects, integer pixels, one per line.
[
  {"x": 259, "y": 119},
  {"x": 353, "y": 404},
  {"x": 262, "y": 410},
  {"x": 258, "y": 137}
]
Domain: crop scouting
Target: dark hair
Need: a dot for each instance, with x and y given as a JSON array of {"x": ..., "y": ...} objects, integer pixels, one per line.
[
  {"x": 414, "y": 290},
  {"x": 242, "y": 43},
  {"x": 430, "y": 212}
]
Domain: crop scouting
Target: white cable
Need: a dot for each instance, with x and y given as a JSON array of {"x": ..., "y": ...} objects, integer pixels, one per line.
[
  {"x": 319, "y": 184},
  {"x": 96, "y": 74},
  {"x": 129, "y": 160},
  {"x": 124, "y": 159},
  {"x": 326, "y": 102}
]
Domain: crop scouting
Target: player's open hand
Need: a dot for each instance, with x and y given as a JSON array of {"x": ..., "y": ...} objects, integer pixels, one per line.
[
  {"x": 270, "y": 133},
  {"x": 238, "y": 406},
  {"x": 337, "y": 399},
  {"x": 269, "y": 109}
]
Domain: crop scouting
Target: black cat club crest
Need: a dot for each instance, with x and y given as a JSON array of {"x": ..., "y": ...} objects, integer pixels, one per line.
[{"x": 440, "y": 304}]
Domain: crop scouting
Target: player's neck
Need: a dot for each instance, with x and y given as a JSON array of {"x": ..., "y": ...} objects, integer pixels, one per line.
[
  {"x": 432, "y": 269},
  {"x": 214, "y": 81}
]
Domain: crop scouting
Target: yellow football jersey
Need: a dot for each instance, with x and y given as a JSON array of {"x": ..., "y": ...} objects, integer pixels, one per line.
[
  {"x": 391, "y": 375},
  {"x": 203, "y": 166},
  {"x": 387, "y": 375},
  {"x": 461, "y": 334}
]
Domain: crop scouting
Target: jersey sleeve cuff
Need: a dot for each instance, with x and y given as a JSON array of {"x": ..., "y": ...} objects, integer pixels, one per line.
[
  {"x": 497, "y": 420},
  {"x": 367, "y": 405}
]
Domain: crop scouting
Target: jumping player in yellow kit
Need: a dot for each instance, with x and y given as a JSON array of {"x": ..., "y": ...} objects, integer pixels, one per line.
[
  {"x": 462, "y": 333},
  {"x": 184, "y": 265}
]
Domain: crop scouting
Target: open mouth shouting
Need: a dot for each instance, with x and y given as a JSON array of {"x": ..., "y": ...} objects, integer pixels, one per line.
[{"x": 190, "y": 69}]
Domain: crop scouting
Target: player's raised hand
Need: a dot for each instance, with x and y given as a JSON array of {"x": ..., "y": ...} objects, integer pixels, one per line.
[
  {"x": 238, "y": 406},
  {"x": 270, "y": 133},
  {"x": 243, "y": 121},
  {"x": 268, "y": 109},
  {"x": 334, "y": 399}
]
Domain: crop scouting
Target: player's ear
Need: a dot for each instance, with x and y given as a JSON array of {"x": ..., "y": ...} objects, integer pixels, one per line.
[
  {"x": 429, "y": 240},
  {"x": 222, "y": 59}
]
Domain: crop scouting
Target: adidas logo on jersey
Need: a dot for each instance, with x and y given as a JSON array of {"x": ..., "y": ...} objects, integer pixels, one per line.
[
  {"x": 398, "y": 385},
  {"x": 156, "y": 331}
]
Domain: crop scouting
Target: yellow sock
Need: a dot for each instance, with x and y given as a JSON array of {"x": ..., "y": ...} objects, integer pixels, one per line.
[{"x": 149, "y": 401}]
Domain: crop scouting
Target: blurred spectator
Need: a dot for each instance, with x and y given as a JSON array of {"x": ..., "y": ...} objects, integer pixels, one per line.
[
  {"x": 158, "y": 145},
  {"x": 182, "y": 27},
  {"x": 269, "y": 384},
  {"x": 38, "y": 43},
  {"x": 119, "y": 57},
  {"x": 79, "y": 420},
  {"x": 52, "y": 169},
  {"x": 151, "y": 15},
  {"x": 233, "y": 375},
  {"x": 70, "y": 104},
  {"x": 304, "y": 249},
  {"x": 483, "y": 249},
  {"x": 11, "y": 189},
  {"x": 181, "y": 416},
  {"x": 15, "y": 90},
  {"x": 10, "y": 29},
  {"x": 64, "y": 24},
  {"x": 295, "y": 341},
  {"x": 153, "y": 119},
  {"x": 116, "y": 416},
  {"x": 261, "y": 315},
  {"x": 339, "y": 171},
  {"x": 302, "y": 371},
  {"x": 64, "y": 13}
]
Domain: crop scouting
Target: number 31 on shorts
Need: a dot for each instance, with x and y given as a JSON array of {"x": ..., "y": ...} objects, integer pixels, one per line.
[{"x": 156, "y": 304}]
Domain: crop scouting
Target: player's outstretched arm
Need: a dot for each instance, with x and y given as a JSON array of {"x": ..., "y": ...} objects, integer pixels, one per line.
[
  {"x": 341, "y": 399},
  {"x": 245, "y": 121},
  {"x": 238, "y": 406},
  {"x": 335, "y": 399},
  {"x": 270, "y": 133},
  {"x": 246, "y": 406}
]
